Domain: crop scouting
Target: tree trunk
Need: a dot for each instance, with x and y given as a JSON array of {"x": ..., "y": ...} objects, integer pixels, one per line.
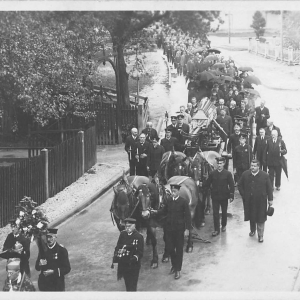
[{"x": 123, "y": 76}]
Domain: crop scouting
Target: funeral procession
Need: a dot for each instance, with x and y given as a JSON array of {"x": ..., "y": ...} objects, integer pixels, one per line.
[{"x": 150, "y": 151}]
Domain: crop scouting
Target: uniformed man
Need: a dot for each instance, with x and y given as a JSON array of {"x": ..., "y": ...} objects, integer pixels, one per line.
[
  {"x": 12, "y": 244},
  {"x": 54, "y": 264},
  {"x": 16, "y": 281},
  {"x": 128, "y": 254},
  {"x": 156, "y": 152},
  {"x": 173, "y": 127},
  {"x": 177, "y": 225},
  {"x": 222, "y": 189},
  {"x": 130, "y": 148},
  {"x": 142, "y": 153},
  {"x": 169, "y": 143},
  {"x": 243, "y": 156}
]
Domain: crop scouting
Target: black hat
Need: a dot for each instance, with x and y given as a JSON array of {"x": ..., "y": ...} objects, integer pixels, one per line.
[
  {"x": 180, "y": 116},
  {"x": 220, "y": 159},
  {"x": 52, "y": 231},
  {"x": 175, "y": 186},
  {"x": 239, "y": 118},
  {"x": 130, "y": 220},
  {"x": 270, "y": 211},
  {"x": 243, "y": 135},
  {"x": 168, "y": 130},
  {"x": 154, "y": 140},
  {"x": 173, "y": 118}
]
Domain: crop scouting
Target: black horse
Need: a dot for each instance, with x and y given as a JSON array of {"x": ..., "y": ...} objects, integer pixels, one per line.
[{"x": 135, "y": 197}]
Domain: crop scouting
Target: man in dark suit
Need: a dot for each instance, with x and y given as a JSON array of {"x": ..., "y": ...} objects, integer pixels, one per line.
[
  {"x": 256, "y": 191},
  {"x": 222, "y": 106},
  {"x": 270, "y": 127},
  {"x": 142, "y": 153},
  {"x": 194, "y": 109},
  {"x": 243, "y": 111},
  {"x": 169, "y": 143},
  {"x": 243, "y": 156},
  {"x": 261, "y": 116},
  {"x": 173, "y": 127},
  {"x": 259, "y": 148},
  {"x": 226, "y": 123},
  {"x": 130, "y": 148},
  {"x": 150, "y": 132},
  {"x": 185, "y": 128},
  {"x": 222, "y": 188},
  {"x": 275, "y": 148},
  {"x": 156, "y": 152},
  {"x": 233, "y": 142},
  {"x": 178, "y": 224}
]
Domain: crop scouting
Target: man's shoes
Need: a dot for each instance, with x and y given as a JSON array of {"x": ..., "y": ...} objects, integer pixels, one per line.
[
  {"x": 223, "y": 228},
  {"x": 215, "y": 233},
  {"x": 260, "y": 239},
  {"x": 252, "y": 233},
  {"x": 172, "y": 271},
  {"x": 165, "y": 259},
  {"x": 278, "y": 188},
  {"x": 177, "y": 275}
]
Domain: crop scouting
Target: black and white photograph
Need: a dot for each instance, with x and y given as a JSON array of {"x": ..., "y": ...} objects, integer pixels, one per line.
[{"x": 150, "y": 147}]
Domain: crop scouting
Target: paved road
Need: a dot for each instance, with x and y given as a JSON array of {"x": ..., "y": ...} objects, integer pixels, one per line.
[{"x": 233, "y": 262}]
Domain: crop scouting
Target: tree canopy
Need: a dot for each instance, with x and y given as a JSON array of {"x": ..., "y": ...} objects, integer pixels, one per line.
[{"x": 258, "y": 24}]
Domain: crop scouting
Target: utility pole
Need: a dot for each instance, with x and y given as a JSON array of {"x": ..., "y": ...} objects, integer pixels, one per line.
[
  {"x": 281, "y": 34},
  {"x": 228, "y": 26}
]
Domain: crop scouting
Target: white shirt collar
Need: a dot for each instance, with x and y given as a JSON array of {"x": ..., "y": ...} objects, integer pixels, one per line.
[
  {"x": 52, "y": 246},
  {"x": 254, "y": 174}
]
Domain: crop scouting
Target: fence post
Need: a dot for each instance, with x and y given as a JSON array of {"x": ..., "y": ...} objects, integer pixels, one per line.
[
  {"x": 266, "y": 49},
  {"x": 81, "y": 134},
  {"x": 46, "y": 160},
  {"x": 249, "y": 45},
  {"x": 290, "y": 55},
  {"x": 256, "y": 46}
]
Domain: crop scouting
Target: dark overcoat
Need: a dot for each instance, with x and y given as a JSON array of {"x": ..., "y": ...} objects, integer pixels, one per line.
[
  {"x": 170, "y": 143},
  {"x": 259, "y": 120},
  {"x": 272, "y": 152},
  {"x": 154, "y": 157},
  {"x": 256, "y": 191},
  {"x": 259, "y": 147}
]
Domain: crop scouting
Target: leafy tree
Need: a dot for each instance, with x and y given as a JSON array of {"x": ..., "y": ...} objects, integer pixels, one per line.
[
  {"x": 44, "y": 56},
  {"x": 258, "y": 24},
  {"x": 127, "y": 28}
]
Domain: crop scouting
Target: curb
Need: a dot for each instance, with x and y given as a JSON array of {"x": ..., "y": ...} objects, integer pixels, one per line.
[
  {"x": 169, "y": 71},
  {"x": 86, "y": 202}
]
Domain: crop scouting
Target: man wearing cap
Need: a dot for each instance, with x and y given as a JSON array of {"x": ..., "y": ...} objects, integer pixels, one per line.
[
  {"x": 275, "y": 148},
  {"x": 256, "y": 191},
  {"x": 261, "y": 116},
  {"x": 259, "y": 148},
  {"x": 177, "y": 225},
  {"x": 242, "y": 156},
  {"x": 156, "y": 152},
  {"x": 221, "y": 183},
  {"x": 169, "y": 143},
  {"x": 130, "y": 148},
  {"x": 54, "y": 264},
  {"x": 16, "y": 237},
  {"x": 173, "y": 127},
  {"x": 128, "y": 254},
  {"x": 16, "y": 281},
  {"x": 142, "y": 155},
  {"x": 182, "y": 129}
]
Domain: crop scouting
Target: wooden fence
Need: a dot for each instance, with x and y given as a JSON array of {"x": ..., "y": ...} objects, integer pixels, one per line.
[
  {"x": 65, "y": 164},
  {"x": 269, "y": 49}
]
